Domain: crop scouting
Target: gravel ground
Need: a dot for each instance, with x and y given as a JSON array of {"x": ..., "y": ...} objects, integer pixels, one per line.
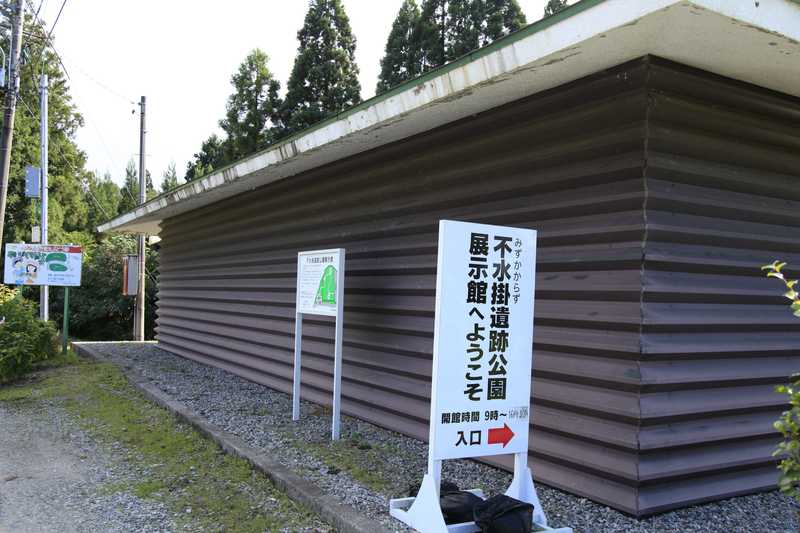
[
  {"x": 53, "y": 477},
  {"x": 262, "y": 417}
]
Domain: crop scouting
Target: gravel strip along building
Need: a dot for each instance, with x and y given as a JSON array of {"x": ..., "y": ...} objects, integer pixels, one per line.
[{"x": 655, "y": 145}]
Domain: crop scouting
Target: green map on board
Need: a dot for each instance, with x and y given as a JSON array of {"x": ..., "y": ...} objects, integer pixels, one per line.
[{"x": 326, "y": 294}]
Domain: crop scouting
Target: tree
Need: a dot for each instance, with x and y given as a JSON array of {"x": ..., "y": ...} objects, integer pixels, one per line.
[
  {"x": 554, "y": 6},
  {"x": 211, "y": 156},
  {"x": 169, "y": 180},
  {"x": 105, "y": 197},
  {"x": 98, "y": 310},
  {"x": 130, "y": 189},
  {"x": 68, "y": 206},
  {"x": 498, "y": 19},
  {"x": 448, "y": 29},
  {"x": 324, "y": 79},
  {"x": 400, "y": 61},
  {"x": 252, "y": 108}
]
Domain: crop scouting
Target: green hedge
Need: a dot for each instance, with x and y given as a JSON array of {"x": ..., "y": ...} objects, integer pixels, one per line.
[{"x": 24, "y": 339}]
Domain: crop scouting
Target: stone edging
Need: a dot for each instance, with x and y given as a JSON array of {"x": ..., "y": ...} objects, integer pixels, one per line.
[{"x": 342, "y": 517}]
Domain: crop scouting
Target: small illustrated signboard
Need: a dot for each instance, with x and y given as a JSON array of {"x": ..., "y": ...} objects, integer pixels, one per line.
[
  {"x": 42, "y": 264},
  {"x": 320, "y": 291},
  {"x": 482, "y": 359}
]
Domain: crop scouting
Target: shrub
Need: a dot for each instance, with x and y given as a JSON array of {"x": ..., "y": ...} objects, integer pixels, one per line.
[
  {"x": 789, "y": 423},
  {"x": 98, "y": 310},
  {"x": 24, "y": 339}
]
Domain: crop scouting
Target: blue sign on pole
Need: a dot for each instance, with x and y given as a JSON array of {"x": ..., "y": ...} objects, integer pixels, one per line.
[{"x": 32, "y": 182}]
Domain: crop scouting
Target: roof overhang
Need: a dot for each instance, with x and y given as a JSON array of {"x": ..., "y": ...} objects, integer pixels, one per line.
[{"x": 751, "y": 41}]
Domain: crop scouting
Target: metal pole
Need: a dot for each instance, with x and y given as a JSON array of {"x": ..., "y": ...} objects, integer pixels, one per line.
[
  {"x": 138, "y": 323},
  {"x": 10, "y": 107},
  {"x": 44, "y": 293},
  {"x": 65, "y": 327}
]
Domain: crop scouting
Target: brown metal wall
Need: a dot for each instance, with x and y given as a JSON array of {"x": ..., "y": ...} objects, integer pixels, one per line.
[
  {"x": 571, "y": 164},
  {"x": 723, "y": 198}
]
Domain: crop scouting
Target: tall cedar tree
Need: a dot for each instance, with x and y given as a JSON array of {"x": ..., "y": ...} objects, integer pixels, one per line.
[
  {"x": 499, "y": 18},
  {"x": 324, "y": 80},
  {"x": 554, "y": 6},
  {"x": 252, "y": 108},
  {"x": 105, "y": 198},
  {"x": 169, "y": 180},
  {"x": 210, "y": 156},
  {"x": 130, "y": 189},
  {"x": 400, "y": 62},
  {"x": 448, "y": 29},
  {"x": 68, "y": 205}
]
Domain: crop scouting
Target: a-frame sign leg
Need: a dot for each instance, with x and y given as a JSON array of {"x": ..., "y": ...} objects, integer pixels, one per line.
[
  {"x": 522, "y": 488},
  {"x": 424, "y": 514}
]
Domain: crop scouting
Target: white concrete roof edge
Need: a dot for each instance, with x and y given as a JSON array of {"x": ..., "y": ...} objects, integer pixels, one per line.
[{"x": 773, "y": 16}]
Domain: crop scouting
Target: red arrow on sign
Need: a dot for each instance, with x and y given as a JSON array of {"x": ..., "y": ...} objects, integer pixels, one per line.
[{"x": 501, "y": 435}]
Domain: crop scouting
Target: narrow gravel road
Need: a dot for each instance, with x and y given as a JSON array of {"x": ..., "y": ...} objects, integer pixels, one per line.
[{"x": 52, "y": 478}]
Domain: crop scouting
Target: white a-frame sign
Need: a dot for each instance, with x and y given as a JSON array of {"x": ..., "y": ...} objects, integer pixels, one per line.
[
  {"x": 482, "y": 358},
  {"x": 320, "y": 291}
]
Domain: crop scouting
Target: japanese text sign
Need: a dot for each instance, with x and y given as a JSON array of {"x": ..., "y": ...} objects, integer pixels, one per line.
[
  {"x": 483, "y": 340},
  {"x": 317, "y": 276},
  {"x": 42, "y": 264}
]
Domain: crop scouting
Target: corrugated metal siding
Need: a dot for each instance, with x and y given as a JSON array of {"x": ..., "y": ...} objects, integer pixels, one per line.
[
  {"x": 568, "y": 163},
  {"x": 653, "y": 380},
  {"x": 723, "y": 198}
]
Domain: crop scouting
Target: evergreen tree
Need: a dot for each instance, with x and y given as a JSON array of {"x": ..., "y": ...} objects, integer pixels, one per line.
[
  {"x": 499, "y": 18},
  {"x": 324, "y": 80},
  {"x": 400, "y": 62},
  {"x": 448, "y": 29},
  {"x": 105, "y": 196},
  {"x": 430, "y": 35},
  {"x": 554, "y": 6},
  {"x": 68, "y": 208},
  {"x": 252, "y": 108},
  {"x": 211, "y": 156},
  {"x": 169, "y": 179},
  {"x": 130, "y": 189}
]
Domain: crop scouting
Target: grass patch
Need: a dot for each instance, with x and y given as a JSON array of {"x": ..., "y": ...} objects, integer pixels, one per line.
[
  {"x": 364, "y": 462},
  {"x": 206, "y": 488}
]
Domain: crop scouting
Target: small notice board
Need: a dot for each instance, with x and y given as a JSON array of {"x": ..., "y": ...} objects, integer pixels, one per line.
[
  {"x": 320, "y": 291},
  {"x": 42, "y": 264}
]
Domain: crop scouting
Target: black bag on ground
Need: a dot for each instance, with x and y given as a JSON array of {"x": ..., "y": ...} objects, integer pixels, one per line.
[
  {"x": 457, "y": 505},
  {"x": 504, "y": 514}
]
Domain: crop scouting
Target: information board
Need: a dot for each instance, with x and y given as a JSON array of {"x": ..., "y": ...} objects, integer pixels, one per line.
[
  {"x": 317, "y": 276},
  {"x": 42, "y": 264},
  {"x": 483, "y": 340},
  {"x": 320, "y": 291}
]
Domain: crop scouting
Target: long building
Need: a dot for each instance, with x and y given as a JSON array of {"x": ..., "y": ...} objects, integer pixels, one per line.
[{"x": 654, "y": 145}]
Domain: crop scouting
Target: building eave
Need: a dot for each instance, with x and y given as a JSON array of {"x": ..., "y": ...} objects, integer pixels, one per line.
[{"x": 755, "y": 42}]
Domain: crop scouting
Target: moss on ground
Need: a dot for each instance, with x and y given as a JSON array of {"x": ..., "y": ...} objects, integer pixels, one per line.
[
  {"x": 206, "y": 488},
  {"x": 361, "y": 460}
]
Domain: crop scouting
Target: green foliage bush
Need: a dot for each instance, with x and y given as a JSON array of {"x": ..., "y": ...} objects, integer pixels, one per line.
[
  {"x": 24, "y": 339},
  {"x": 789, "y": 423},
  {"x": 98, "y": 310}
]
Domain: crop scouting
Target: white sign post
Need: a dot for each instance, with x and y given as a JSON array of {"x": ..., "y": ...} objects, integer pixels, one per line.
[
  {"x": 320, "y": 291},
  {"x": 42, "y": 264},
  {"x": 482, "y": 359}
]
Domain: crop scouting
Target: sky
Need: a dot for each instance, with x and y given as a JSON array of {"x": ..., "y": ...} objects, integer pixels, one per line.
[{"x": 180, "y": 54}]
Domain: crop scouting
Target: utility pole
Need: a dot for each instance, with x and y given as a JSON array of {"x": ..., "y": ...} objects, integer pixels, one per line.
[
  {"x": 10, "y": 108},
  {"x": 44, "y": 303},
  {"x": 138, "y": 321}
]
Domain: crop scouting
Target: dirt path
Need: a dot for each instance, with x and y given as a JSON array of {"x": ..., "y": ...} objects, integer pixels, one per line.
[
  {"x": 52, "y": 478},
  {"x": 83, "y": 451}
]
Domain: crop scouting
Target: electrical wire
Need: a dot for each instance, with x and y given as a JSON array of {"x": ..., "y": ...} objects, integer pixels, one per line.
[{"x": 57, "y": 17}]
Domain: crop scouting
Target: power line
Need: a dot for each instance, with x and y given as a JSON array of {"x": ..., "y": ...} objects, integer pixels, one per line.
[{"x": 57, "y": 17}]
